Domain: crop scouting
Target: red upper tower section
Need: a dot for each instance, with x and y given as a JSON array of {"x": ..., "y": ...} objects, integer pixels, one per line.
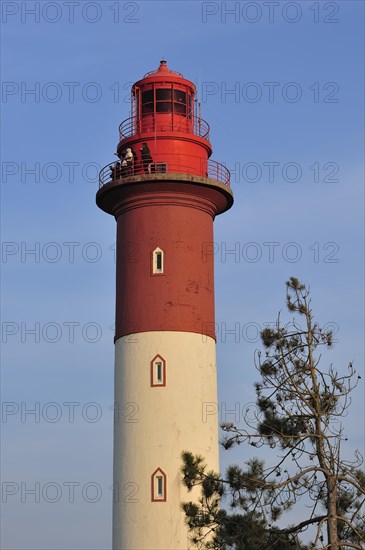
[{"x": 164, "y": 191}]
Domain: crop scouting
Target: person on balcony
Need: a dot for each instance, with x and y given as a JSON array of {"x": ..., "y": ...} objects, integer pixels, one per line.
[
  {"x": 146, "y": 158},
  {"x": 127, "y": 163},
  {"x": 115, "y": 171},
  {"x": 134, "y": 161}
]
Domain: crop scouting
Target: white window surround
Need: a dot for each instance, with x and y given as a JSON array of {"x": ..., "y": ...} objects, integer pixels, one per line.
[{"x": 157, "y": 261}]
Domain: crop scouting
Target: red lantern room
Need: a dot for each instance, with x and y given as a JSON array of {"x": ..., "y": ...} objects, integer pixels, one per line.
[{"x": 164, "y": 119}]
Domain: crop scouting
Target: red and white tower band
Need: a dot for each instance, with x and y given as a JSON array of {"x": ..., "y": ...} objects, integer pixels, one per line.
[{"x": 164, "y": 193}]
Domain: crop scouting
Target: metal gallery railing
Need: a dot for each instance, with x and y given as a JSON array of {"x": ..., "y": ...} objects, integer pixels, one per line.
[
  {"x": 190, "y": 165},
  {"x": 164, "y": 123}
]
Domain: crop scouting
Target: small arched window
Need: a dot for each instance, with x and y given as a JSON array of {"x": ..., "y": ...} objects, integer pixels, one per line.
[
  {"x": 157, "y": 261},
  {"x": 158, "y": 371},
  {"x": 158, "y": 486}
]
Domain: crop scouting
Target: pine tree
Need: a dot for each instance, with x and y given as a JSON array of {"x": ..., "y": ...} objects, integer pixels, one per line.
[{"x": 298, "y": 412}]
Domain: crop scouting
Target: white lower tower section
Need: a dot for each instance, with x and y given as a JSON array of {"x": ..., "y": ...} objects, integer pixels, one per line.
[{"x": 156, "y": 423}]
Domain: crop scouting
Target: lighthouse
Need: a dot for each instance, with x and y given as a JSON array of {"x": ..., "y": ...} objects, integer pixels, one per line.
[{"x": 164, "y": 191}]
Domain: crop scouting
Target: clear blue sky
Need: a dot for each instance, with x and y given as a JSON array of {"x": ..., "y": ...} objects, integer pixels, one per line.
[{"x": 293, "y": 133}]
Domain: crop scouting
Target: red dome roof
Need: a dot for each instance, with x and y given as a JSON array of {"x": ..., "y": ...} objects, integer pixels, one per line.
[{"x": 162, "y": 70}]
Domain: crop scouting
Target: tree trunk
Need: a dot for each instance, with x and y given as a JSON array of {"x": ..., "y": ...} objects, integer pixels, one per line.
[{"x": 333, "y": 542}]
